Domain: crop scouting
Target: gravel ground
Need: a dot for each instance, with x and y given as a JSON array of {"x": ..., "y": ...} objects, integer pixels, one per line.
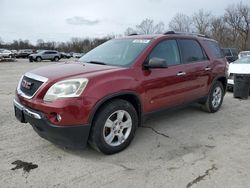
[{"x": 182, "y": 148}]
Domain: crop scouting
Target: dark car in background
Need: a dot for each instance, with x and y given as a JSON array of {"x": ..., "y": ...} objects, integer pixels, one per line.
[
  {"x": 24, "y": 53},
  {"x": 231, "y": 54},
  {"x": 65, "y": 55}
]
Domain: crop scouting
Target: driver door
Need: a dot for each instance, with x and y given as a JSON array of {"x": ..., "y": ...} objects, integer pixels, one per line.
[{"x": 165, "y": 87}]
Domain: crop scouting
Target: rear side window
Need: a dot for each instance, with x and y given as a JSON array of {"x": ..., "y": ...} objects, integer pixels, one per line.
[
  {"x": 167, "y": 50},
  {"x": 234, "y": 52},
  {"x": 191, "y": 51},
  {"x": 214, "y": 48}
]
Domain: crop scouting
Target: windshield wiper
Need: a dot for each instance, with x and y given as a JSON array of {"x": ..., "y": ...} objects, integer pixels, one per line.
[{"x": 96, "y": 62}]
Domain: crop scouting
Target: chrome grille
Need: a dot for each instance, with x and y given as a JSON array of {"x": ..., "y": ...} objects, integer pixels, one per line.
[{"x": 30, "y": 84}]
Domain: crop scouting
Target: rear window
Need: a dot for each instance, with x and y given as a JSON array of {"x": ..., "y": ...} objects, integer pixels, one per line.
[
  {"x": 214, "y": 48},
  {"x": 243, "y": 54}
]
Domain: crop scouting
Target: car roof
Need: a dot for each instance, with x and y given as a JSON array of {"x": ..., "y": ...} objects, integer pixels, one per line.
[
  {"x": 245, "y": 52},
  {"x": 170, "y": 34},
  {"x": 49, "y": 51}
]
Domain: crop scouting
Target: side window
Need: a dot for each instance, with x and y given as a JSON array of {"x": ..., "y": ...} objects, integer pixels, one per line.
[
  {"x": 214, "y": 48},
  {"x": 234, "y": 52},
  {"x": 191, "y": 51},
  {"x": 226, "y": 51},
  {"x": 167, "y": 50}
]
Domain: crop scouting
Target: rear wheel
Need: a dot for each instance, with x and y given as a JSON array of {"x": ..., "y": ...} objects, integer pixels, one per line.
[
  {"x": 114, "y": 127},
  {"x": 56, "y": 59},
  {"x": 215, "y": 98}
]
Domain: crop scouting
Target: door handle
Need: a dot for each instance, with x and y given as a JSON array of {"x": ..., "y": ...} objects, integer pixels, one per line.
[
  {"x": 208, "y": 68},
  {"x": 180, "y": 74}
]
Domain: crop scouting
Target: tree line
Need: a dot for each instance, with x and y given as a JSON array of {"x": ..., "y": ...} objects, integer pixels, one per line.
[
  {"x": 231, "y": 29},
  {"x": 74, "y": 45}
]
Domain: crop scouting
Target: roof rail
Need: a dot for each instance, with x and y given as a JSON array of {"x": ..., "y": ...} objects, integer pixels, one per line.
[
  {"x": 186, "y": 33},
  {"x": 132, "y": 34}
]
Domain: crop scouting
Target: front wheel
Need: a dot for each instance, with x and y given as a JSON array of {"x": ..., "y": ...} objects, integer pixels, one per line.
[
  {"x": 215, "y": 98},
  {"x": 31, "y": 59},
  {"x": 38, "y": 59},
  {"x": 114, "y": 127}
]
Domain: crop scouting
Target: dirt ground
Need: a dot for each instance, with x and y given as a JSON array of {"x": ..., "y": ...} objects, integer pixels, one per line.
[{"x": 183, "y": 148}]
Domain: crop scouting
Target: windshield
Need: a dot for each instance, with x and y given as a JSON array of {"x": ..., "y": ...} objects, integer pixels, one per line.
[
  {"x": 41, "y": 52},
  {"x": 244, "y": 60},
  {"x": 118, "y": 52}
]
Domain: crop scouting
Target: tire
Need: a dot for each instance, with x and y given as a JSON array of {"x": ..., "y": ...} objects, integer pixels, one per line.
[
  {"x": 111, "y": 134},
  {"x": 56, "y": 59},
  {"x": 38, "y": 59},
  {"x": 30, "y": 60},
  {"x": 215, "y": 98}
]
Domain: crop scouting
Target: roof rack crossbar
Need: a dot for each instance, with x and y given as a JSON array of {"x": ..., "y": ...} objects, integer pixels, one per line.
[
  {"x": 186, "y": 33},
  {"x": 132, "y": 34}
]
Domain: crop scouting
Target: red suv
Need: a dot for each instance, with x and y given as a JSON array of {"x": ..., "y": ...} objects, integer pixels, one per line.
[{"x": 103, "y": 98}]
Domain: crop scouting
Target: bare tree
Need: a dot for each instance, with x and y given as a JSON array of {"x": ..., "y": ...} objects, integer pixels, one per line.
[
  {"x": 1, "y": 41},
  {"x": 219, "y": 31},
  {"x": 40, "y": 44},
  {"x": 238, "y": 17},
  {"x": 147, "y": 27},
  {"x": 180, "y": 22},
  {"x": 129, "y": 31},
  {"x": 201, "y": 21}
]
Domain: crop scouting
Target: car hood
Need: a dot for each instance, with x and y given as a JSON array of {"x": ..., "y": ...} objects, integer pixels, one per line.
[
  {"x": 239, "y": 68},
  {"x": 65, "y": 70}
]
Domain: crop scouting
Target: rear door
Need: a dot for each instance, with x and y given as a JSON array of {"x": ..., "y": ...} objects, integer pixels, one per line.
[
  {"x": 51, "y": 55},
  {"x": 197, "y": 68}
]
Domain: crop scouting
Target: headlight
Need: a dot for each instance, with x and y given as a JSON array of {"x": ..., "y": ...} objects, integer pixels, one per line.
[{"x": 66, "y": 89}]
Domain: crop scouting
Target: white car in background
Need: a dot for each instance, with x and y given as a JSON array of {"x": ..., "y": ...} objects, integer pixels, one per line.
[
  {"x": 243, "y": 54},
  {"x": 78, "y": 55},
  {"x": 6, "y": 53},
  {"x": 240, "y": 66}
]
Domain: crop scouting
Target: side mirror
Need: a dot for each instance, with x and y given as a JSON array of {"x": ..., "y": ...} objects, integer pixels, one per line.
[{"x": 156, "y": 63}]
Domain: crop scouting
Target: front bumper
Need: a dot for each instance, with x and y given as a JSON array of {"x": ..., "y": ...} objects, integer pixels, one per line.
[
  {"x": 70, "y": 136},
  {"x": 230, "y": 84}
]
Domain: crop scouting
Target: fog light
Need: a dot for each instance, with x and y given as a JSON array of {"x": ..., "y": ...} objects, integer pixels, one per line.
[{"x": 58, "y": 117}]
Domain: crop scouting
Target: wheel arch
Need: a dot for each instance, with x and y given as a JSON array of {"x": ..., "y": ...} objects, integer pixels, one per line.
[
  {"x": 129, "y": 96},
  {"x": 223, "y": 80}
]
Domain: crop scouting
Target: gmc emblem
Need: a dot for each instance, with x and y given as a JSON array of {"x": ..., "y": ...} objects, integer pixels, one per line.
[{"x": 26, "y": 84}]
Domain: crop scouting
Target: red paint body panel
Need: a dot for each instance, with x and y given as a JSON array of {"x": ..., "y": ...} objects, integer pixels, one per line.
[{"x": 156, "y": 88}]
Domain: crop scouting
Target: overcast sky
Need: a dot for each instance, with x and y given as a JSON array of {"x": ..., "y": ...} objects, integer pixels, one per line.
[{"x": 60, "y": 20}]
